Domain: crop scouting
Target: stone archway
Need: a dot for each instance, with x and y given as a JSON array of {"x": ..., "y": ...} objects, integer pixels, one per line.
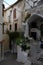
[{"x": 34, "y": 27}]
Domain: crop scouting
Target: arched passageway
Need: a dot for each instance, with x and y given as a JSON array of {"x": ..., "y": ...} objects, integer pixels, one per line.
[{"x": 34, "y": 23}]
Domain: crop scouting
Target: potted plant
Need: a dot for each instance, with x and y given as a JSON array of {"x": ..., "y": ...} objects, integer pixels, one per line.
[
  {"x": 25, "y": 47},
  {"x": 21, "y": 50}
]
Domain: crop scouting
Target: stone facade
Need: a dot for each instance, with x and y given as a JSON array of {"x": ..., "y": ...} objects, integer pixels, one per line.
[
  {"x": 36, "y": 19},
  {"x": 9, "y": 15},
  {"x": 13, "y": 16}
]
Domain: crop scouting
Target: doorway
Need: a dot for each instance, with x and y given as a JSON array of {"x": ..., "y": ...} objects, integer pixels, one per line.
[
  {"x": 33, "y": 34},
  {"x": 15, "y": 26}
]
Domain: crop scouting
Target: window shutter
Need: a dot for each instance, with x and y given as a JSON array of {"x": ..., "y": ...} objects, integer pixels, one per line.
[
  {"x": 3, "y": 9},
  {"x": 14, "y": 14}
]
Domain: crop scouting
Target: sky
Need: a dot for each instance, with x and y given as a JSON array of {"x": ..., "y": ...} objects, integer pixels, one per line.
[{"x": 8, "y": 2}]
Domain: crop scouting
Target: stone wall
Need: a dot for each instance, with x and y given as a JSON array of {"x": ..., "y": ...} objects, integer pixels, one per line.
[
  {"x": 6, "y": 42},
  {"x": 1, "y": 35},
  {"x": 37, "y": 10},
  {"x": 1, "y": 19}
]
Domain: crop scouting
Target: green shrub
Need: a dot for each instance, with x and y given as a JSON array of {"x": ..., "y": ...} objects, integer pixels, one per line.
[
  {"x": 13, "y": 35},
  {"x": 16, "y": 36},
  {"x": 25, "y": 47},
  {"x": 19, "y": 41},
  {"x": 21, "y": 34}
]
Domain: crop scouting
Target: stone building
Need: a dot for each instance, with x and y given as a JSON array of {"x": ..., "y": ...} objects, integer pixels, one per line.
[
  {"x": 35, "y": 22},
  {"x": 13, "y": 16}
]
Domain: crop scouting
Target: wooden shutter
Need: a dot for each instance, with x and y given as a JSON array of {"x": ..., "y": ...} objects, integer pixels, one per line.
[
  {"x": 14, "y": 14},
  {"x": 3, "y": 9}
]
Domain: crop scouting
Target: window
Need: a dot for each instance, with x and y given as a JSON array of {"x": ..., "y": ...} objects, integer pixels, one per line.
[
  {"x": 15, "y": 26},
  {"x": 10, "y": 12},
  {"x": 3, "y": 9},
  {"x": 3, "y": 28},
  {"x": 14, "y": 14},
  {"x": 10, "y": 27},
  {"x": 33, "y": 34}
]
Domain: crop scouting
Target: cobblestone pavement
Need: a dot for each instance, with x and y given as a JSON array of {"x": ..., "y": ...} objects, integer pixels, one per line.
[
  {"x": 36, "y": 55},
  {"x": 10, "y": 59}
]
